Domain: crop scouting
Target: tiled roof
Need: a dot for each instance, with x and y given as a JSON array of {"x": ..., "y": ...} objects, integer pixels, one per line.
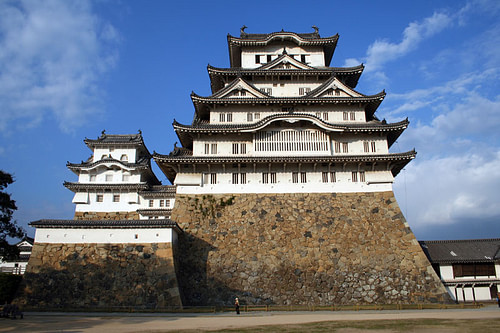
[
  {"x": 301, "y": 39},
  {"x": 186, "y": 132},
  {"x": 155, "y": 211},
  {"x": 350, "y": 75},
  {"x": 112, "y": 139},
  {"x": 105, "y": 224},
  {"x": 168, "y": 163},
  {"x": 103, "y": 186},
  {"x": 462, "y": 251},
  {"x": 141, "y": 164},
  {"x": 163, "y": 191}
]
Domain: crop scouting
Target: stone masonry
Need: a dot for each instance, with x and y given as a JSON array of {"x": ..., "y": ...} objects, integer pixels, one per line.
[
  {"x": 101, "y": 276},
  {"x": 315, "y": 249}
]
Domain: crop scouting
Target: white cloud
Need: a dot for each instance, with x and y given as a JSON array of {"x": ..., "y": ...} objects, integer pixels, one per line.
[
  {"x": 382, "y": 51},
  {"x": 52, "y": 54},
  {"x": 445, "y": 190}
]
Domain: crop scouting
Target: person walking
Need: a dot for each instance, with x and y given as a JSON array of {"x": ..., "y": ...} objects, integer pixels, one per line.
[{"x": 237, "y": 305}]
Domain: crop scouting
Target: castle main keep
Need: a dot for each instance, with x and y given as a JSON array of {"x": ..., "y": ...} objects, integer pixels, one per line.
[{"x": 281, "y": 194}]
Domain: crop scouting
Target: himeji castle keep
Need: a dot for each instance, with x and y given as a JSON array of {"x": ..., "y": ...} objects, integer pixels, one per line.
[{"x": 281, "y": 194}]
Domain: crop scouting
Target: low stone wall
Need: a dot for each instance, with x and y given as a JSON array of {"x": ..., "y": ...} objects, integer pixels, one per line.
[
  {"x": 318, "y": 249},
  {"x": 106, "y": 216},
  {"x": 100, "y": 276}
]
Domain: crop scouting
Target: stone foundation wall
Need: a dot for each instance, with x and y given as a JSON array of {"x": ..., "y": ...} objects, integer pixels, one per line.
[
  {"x": 318, "y": 249},
  {"x": 106, "y": 216},
  {"x": 101, "y": 276}
]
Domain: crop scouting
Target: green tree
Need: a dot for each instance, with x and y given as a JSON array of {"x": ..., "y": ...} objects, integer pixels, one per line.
[{"x": 8, "y": 227}]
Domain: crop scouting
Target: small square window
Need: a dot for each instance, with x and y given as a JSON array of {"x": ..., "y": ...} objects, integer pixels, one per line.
[
  {"x": 99, "y": 198},
  {"x": 151, "y": 203},
  {"x": 116, "y": 198},
  {"x": 162, "y": 203},
  {"x": 109, "y": 178}
]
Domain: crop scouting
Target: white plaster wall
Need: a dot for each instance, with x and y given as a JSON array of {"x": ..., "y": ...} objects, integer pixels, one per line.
[
  {"x": 115, "y": 153},
  {"x": 240, "y": 113},
  {"x": 107, "y": 205},
  {"x": 107, "y": 236},
  {"x": 115, "y": 171},
  {"x": 314, "y": 54},
  {"x": 482, "y": 293},
  {"x": 377, "y": 181},
  {"x": 446, "y": 272}
]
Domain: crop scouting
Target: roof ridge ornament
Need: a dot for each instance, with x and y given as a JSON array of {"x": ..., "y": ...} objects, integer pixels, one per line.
[
  {"x": 316, "y": 29},
  {"x": 284, "y": 51},
  {"x": 242, "y": 30}
]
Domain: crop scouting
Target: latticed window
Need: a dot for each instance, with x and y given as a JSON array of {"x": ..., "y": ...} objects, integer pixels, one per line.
[
  {"x": 229, "y": 117},
  {"x": 353, "y": 116},
  {"x": 213, "y": 148},
  {"x": 374, "y": 148},
  {"x": 291, "y": 141},
  {"x": 116, "y": 198},
  {"x": 337, "y": 92},
  {"x": 151, "y": 203},
  {"x": 295, "y": 177},
  {"x": 366, "y": 146},
  {"x": 235, "y": 148},
  {"x": 243, "y": 178},
  {"x": 207, "y": 148},
  {"x": 354, "y": 177},
  {"x": 324, "y": 177},
  {"x": 213, "y": 178},
  {"x": 362, "y": 176},
  {"x": 243, "y": 148},
  {"x": 303, "y": 177},
  {"x": 333, "y": 177},
  {"x": 109, "y": 178},
  {"x": 222, "y": 117},
  {"x": 325, "y": 115},
  {"x": 249, "y": 116},
  {"x": 345, "y": 115},
  {"x": 273, "y": 177},
  {"x": 265, "y": 177},
  {"x": 162, "y": 203},
  {"x": 257, "y": 115},
  {"x": 99, "y": 198},
  {"x": 235, "y": 178},
  {"x": 345, "y": 147},
  {"x": 337, "y": 147},
  {"x": 167, "y": 203}
]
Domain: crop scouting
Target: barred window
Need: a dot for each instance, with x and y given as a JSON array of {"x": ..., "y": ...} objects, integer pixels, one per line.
[
  {"x": 213, "y": 148},
  {"x": 362, "y": 176},
  {"x": 249, "y": 116},
  {"x": 303, "y": 178},
  {"x": 337, "y": 92},
  {"x": 229, "y": 117},
  {"x": 243, "y": 178},
  {"x": 207, "y": 148},
  {"x": 167, "y": 203},
  {"x": 333, "y": 177},
  {"x": 99, "y": 198},
  {"x": 273, "y": 177},
  {"x": 235, "y": 148},
  {"x": 109, "y": 178},
  {"x": 213, "y": 178},
  {"x": 353, "y": 116},
  {"x": 325, "y": 115},
  {"x": 345, "y": 115},
  {"x": 354, "y": 177},
  {"x": 373, "y": 147},
  {"x": 337, "y": 147},
  {"x": 291, "y": 140},
  {"x": 366, "y": 146},
  {"x": 324, "y": 177},
  {"x": 116, "y": 198},
  {"x": 235, "y": 178},
  {"x": 151, "y": 203},
  {"x": 222, "y": 117},
  {"x": 243, "y": 148},
  {"x": 345, "y": 147},
  {"x": 257, "y": 115},
  {"x": 162, "y": 203},
  {"x": 295, "y": 177},
  {"x": 265, "y": 177},
  {"x": 257, "y": 59}
]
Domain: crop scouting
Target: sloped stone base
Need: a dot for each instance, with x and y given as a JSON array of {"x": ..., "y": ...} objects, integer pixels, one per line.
[
  {"x": 100, "y": 276},
  {"x": 318, "y": 249}
]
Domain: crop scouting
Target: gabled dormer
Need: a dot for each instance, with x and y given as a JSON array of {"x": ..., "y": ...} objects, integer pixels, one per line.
[
  {"x": 240, "y": 88},
  {"x": 334, "y": 88},
  {"x": 285, "y": 61}
]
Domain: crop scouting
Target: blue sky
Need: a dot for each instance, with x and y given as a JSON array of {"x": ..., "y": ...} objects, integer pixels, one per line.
[{"x": 69, "y": 69}]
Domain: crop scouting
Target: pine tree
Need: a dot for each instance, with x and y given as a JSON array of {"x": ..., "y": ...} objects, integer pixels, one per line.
[{"x": 8, "y": 227}]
